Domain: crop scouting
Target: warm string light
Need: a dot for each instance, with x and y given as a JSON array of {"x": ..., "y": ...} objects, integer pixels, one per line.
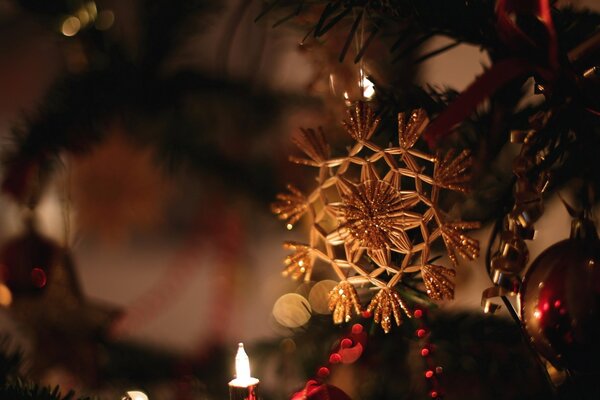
[
  {"x": 135, "y": 395},
  {"x": 244, "y": 386},
  {"x": 85, "y": 16},
  {"x": 242, "y": 363},
  {"x": 432, "y": 372}
]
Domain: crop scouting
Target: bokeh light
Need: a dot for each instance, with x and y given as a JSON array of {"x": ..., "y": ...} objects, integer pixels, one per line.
[{"x": 292, "y": 310}]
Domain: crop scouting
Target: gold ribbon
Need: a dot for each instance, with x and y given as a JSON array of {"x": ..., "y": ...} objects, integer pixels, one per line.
[{"x": 504, "y": 285}]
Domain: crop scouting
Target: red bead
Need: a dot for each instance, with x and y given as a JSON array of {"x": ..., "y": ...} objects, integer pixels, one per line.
[
  {"x": 418, "y": 313},
  {"x": 323, "y": 372},
  {"x": 357, "y": 329},
  {"x": 557, "y": 304},
  {"x": 38, "y": 278},
  {"x": 439, "y": 370},
  {"x": 335, "y": 358},
  {"x": 366, "y": 314},
  {"x": 424, "y": 351},
  {"x": 433, "y": 394},
  {"x": 421, "y": 332},
  {"x": 428, "y": 374},
  {"x": 346, "y": 343}
]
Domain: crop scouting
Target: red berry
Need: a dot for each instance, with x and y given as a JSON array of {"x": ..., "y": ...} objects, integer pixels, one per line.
[
  {"x": 323, "y": 372},
  {"x": 335, "y": 358},
  {"x": 357, "y": 329}
]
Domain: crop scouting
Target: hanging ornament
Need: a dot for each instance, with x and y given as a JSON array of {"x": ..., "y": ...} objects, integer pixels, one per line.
[
  {"x": 374, "y": 215},
  {"x": 320, "y": 391},
  {"x": 560, "y": 300},
  {"x": 27, "y": 261},
  {"x": 58, "y": 318}
]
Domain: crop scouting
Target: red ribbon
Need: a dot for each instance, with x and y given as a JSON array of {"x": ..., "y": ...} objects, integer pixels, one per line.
[
  {"x": 503, "y": 71},
  {"x": 517, "y": 40}
]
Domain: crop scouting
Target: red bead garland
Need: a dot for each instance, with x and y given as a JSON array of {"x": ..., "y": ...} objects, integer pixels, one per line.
[
  {"x": 432, "y": 374},
  {"x": 350, "y": 348}
]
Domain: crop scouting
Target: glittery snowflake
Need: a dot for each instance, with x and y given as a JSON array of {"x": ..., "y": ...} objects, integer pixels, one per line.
[{"x": 374, "y": 215}]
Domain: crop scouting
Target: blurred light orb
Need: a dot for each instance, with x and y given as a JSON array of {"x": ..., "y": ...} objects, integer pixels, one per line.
[
  {"x": 105, "y": 20},
  {"x": 288, "y": 345},
  {"x": 71, "y": 26},
  {"x": 5, "y": 295},
  {"x": 92, "y": 9},
  {"x": 83, "y": 16},
  {"x": 319, "y": 296},
  {"x": 292, "y": 310}
]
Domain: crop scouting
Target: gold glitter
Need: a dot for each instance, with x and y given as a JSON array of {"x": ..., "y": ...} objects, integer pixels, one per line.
[
  {"x": 437, "y": 281},
  {"x": 290, "y": 206},
  {"x": 299, "y": 263},
  {"x": 452, "y": 172},
  {"x": 313, "y": 144},
  {"x": 342, "y": 301},
  {"x": 457, "y": 242},
  {"x": 385, "y": 304},
  {"x": 374, "y": 214},
  {"x": 361, "y": 123},
  {"x": 409, "y": 132}
]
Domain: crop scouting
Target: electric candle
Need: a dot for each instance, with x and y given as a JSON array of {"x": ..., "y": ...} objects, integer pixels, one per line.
[
  {"x": 135, "y": 395},
  {"x": 244, "y": 386}
]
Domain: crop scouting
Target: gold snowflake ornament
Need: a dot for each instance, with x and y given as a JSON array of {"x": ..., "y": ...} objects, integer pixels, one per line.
[{"x": 374, "y": 215}]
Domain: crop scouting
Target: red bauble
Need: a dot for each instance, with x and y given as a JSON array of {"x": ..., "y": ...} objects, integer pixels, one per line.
[
  {"x": 27, "y": 261},
  {"x": 561, "y": 303},
  {"x": 320, "y": 391}
]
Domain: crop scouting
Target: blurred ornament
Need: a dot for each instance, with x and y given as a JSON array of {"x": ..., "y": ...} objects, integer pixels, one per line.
[
  {"x": 119, "y": 179},
  {"x": 351, "y": 84},
  {"x": 320, "y": 391},
  {"x": 59, "y": 318},
  {"x": 25, "y": 178},
  {"x": 561, "y": 300},
  {"x": 28, "y": 261},
  {"x": 345, "y": 82},
  {"x": 368, "y": 228}
]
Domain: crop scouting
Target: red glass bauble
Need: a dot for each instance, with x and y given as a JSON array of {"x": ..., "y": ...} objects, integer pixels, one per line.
[
  {"x": 320, "y": 391},
  {"x": 27, "y": 261},
  {"x": 560, "y": 302}
]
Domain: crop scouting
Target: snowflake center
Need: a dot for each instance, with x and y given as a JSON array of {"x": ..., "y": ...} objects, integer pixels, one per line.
[{"x": 369, "y": 213}]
